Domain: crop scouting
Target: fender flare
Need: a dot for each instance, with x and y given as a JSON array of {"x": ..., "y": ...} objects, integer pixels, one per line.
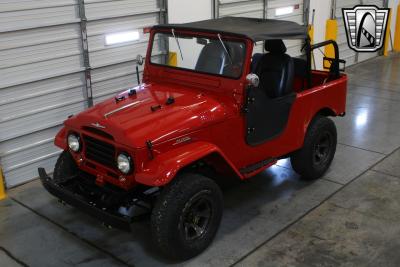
[
  {"x": 163, "y": 168},
  {"x": 323, "y": 111},
  {"x": 61, "y": 139}
]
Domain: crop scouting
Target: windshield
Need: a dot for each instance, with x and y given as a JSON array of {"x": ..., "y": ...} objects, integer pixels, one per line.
[{"x": 201, "y": 54}]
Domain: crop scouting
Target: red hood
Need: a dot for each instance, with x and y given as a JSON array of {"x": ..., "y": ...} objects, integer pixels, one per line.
[{"x": 136, "y": 123}]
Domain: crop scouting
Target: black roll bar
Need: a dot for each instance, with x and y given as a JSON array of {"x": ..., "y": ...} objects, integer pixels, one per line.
[{"x": 335, "y": 62}]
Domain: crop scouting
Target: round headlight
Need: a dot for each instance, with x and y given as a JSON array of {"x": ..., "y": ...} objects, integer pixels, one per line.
[
  {"x": 74, "y": 142},
  {"x": 124, "y": 163}
]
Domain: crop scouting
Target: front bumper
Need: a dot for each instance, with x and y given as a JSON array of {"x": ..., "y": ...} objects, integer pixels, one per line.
[{"x": 109, "y": 218}]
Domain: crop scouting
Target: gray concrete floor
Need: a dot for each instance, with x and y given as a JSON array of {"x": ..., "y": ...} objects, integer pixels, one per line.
[{"x": 348, "y": 218}]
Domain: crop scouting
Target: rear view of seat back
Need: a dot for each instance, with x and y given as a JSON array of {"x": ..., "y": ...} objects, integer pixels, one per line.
[
  {"x": 276, "y": 70},
  {"x": 254, "y": 61},
  {"x": 300, "y": 71},
  {"x": 211, "y": 59}
]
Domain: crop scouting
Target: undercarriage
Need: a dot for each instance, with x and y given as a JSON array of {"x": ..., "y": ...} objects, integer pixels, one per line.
[{"x": 112, "y": 206}]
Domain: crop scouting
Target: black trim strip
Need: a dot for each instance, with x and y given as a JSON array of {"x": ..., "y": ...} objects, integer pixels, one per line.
[{"x": 254, "y": 167}]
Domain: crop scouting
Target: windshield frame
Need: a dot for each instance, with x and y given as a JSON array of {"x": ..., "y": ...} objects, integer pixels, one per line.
[{"x": 200, "y": 35}]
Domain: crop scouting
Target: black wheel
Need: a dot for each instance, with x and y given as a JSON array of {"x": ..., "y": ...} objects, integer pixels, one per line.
[
  {"x": 319, "y": 148},
  {"x": 186, "y": 216},
  {"x": 65, "y": 167}
]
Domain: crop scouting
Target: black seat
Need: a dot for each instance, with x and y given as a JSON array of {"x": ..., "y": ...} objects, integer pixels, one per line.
[
  {"x": 300, "y": 70},
  {"x": 237, "y": 54},
  {"x": 276, "y": 70},
  {"x": 212, "y": 59},
  {"x": 300, "y": 67},
  {"x": 254, "y": 61}
]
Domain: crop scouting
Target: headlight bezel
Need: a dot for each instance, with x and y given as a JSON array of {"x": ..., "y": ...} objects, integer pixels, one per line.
[
  {"x": 79, "y": 142},
  {"x": 127, "y": 159}
]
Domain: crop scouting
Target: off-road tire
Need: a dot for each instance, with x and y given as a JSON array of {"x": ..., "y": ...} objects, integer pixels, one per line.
[
  {"x": 170, "y": 213},
  {"x": 65, "y": 167},
  {"x": 304, "y": 160}
]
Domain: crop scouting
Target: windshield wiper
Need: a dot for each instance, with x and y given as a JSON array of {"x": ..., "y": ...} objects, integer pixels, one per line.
[
  {"x": 177, "y": 42},
  {"x": 226, "y": 50}
]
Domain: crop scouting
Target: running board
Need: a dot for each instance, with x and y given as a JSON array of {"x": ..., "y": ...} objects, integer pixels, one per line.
[{"x": 257, "y": 166}]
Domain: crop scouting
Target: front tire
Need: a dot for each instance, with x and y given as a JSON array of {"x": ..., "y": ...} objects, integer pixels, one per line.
[
  {"x": 186, "y": 216},
  {"x": 316, "y": 155},
  {"x": 65, "y": 167}
]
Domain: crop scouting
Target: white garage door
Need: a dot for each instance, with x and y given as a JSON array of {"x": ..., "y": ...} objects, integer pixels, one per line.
[
  {"x": 292, "y": 10},
  {"x": 346, "y": 53},
  {"x": 42, "y": 70}
]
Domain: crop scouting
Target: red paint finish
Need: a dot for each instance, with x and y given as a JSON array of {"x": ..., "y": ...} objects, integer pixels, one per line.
[{"x": 204, "y": 122}]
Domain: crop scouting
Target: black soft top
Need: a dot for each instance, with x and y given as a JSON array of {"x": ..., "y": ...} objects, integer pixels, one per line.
[{"x": 253, "y": 28}]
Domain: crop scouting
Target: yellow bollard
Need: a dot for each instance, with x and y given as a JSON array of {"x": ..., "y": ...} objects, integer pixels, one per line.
[
  {"x": 2, "y": 189},
  {"x": 331, "y": 34},
  {"x": 387, "y": 36},
  {"x": 311, "y": 33},
  {"x": 396, "y": 44},
  {"x": 172, "y": 59}
]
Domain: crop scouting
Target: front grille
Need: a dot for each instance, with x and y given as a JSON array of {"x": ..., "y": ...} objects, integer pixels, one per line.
[
  {"x": 98, "y": 132},
  {"x": 99, "y": 151}
]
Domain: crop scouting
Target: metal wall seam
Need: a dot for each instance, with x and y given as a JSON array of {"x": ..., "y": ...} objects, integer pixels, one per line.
[{"x": 85, "y": 48}]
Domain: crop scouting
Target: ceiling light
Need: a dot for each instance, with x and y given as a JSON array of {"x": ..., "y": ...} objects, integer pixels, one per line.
[
  {"x": 122, "y": 37},
  {"x": 284, "y": 11}
]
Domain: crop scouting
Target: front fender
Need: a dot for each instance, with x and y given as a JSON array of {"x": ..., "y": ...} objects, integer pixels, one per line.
[
  {"x": 61, "y": 139},
  {"x": 163, "y": 168}
]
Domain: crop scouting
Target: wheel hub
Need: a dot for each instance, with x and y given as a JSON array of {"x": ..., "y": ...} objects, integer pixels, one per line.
[
  {"x": 322, "y": 148},
  {"x": 196, "y": 217}
]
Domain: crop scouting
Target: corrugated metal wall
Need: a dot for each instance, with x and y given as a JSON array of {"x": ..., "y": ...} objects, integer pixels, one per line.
[
  {"x": 346, "y": 52},
  {"x": 42, "y": 71},
  {"x": 266, "y": 9},
  {"x": 41, "y": 81}
]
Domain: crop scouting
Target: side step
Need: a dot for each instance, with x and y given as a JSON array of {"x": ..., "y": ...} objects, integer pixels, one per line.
[{"x": 257, "y": 166}]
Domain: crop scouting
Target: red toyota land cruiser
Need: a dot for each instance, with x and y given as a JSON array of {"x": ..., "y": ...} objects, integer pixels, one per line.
[{"x": 207, "y": 108}]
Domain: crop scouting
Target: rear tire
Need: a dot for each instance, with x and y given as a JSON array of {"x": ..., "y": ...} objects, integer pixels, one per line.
[
  {"x": 316, "y": 155},
  {"x": 186, "y": 216}
]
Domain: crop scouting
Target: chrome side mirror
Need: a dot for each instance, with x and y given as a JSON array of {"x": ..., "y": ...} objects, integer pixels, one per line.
[
  {"x": 139, "y": 60},
  {"x": 253, "y": 79}
]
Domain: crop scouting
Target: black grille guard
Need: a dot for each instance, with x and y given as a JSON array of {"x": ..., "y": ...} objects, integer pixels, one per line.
[{"x": 110, "y": 219}]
